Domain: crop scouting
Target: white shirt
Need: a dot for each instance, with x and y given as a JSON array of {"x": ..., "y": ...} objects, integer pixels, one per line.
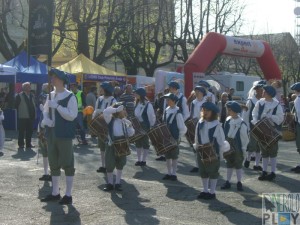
[
  {"x": 118, "y": 123},
  {"x": 106, "y": 101},
  {"x": 268, "y": 110},
  {"x": 197, "y": 107},
  {"x": 139, "y": 109},
  {"x": 68, "y": 113},
  {"x": 297, "y": 108},
  {"x": 179, "y": 119},
  {"x": 218, "y": 134},
  {"x": 234, "y": 126},
  {"x": 246, "y": 114}
]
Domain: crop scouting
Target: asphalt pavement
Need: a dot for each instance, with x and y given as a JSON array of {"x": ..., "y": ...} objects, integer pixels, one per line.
[{"x": 145, "y": 199}]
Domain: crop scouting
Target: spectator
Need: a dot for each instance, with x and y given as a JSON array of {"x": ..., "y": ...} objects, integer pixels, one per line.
[
  {"x": 222, "y": 108},
  {"x": 230, "y": 94},
  {"x": 91, "y": 97},
  {"x": 26, "y": 115},
  {"x": 291, "y": 103},
  {"x": 128, "y": 98}
]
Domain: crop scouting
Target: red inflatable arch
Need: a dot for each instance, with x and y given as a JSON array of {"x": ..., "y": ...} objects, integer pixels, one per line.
[{"x": 214, "y": 44}]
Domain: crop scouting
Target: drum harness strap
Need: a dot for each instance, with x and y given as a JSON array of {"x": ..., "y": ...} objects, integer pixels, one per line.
[
  {"x": 106, "y": 105},
  {"x": 112, "y": 139},
  {"x": 231, "y": 135}
]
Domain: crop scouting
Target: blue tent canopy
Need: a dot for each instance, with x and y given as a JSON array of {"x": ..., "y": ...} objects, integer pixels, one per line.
[{"x": 36, "y": 72}]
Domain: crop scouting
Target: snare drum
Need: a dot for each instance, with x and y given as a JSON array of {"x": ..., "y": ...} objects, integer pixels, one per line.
[
  {"x": 207, "y": 153},
  {"x": 162, "y": 139},
  {"x": 99, "y": 127},
  {"x": 139, "y": 131},
  {"x": 289, "y": 127},
  {"x": 265, "y": 133},
  {"x": 229, "y": 155},
  {"x": 121, "y": 147},
  {"x": 191, "y": 127}
]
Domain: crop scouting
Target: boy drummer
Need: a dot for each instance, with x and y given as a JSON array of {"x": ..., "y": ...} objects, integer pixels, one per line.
[{"x": 270, "y": 108}]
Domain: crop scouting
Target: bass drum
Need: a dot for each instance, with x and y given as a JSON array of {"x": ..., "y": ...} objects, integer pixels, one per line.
[{"x": 99, "y": 127}]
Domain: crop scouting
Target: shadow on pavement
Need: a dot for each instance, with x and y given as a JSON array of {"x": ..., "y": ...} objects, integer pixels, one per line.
[
  {"x": 129, "y": 201},
  {"x": 24, "y": 154}
]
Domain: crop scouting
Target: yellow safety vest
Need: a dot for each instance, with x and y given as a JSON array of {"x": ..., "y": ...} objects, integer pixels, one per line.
[{"x": 79, "y": 100}]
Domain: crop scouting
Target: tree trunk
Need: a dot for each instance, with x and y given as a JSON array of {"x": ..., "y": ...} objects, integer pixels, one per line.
[{"x": 83, "y": 40}]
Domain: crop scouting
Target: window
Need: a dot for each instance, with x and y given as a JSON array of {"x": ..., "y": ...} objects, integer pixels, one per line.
[{"x": 239, "y": 86}]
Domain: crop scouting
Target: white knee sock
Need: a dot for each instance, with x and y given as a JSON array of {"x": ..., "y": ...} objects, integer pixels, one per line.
[
  {"x": 45, "y": 163},
  {"x": 205, "y": 184},
  {"x": 197, "y": 165},
  {"x": 213, "y": 185},
  {"x": 257, "y": 158},
  {"x": 118, "y": 176},
  {"x": 273, "y": 164},
  {"x": 69, "y": 185},
  {"x": 169, "y": 166},
  {"x": 145, "y": 154},
  {"x": 229, "y": 174},
  {"x": 139, "y": 154},
  {"x": 239, "y": 174},
  {"x": 174, "y": 166},
  {"x": 103, "y": 158},
  {"x": 265, "y": 162},
  {"x": 110, "y": 178},
  {"x": 249, "y": 156},
  {"x": 55, "y": 185}
]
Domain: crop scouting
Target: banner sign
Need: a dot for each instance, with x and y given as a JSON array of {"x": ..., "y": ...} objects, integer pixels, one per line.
[
  {"x": 40, "y": 27},
  {"x": 98, "y": 77},
  {"x": 244, "y": 47}
]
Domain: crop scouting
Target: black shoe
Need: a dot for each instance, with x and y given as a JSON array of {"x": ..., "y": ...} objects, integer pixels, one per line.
[
  {"x": 108, "y": 187},
  {"x": 143, "y": 163},
  {"x": 1, "y": 154},
  {"x": 173, "y": 178},
  {"x": 138, "y": 163},
  {"x": 162, "y": 158},
  {"x": 252, "y": 158},
  {"x": 246, "y": 164},
  {"x": 210, "y": 196},
  {"x": 194, "y": 170},
  {"x": 295, "y": 168},
  {"x": 271, "y": 176},
  {"x": 84, "y": 143},
  {"x": 202, "y": 195},
  {"x": 66, "y": 200},
  {"x": 51, "y": 198},
  {"x": 101, "y": 170},
  {"x": 46, "y": 178},
  {"x": 257, "y": 168},
  {"x": 118, "y": 187},
  {"x": 167, "y": 177},
  {"x": 21, "y": 146},
  {"x": 226, "y": 185},
  {"x": 239, "y": 186},
  {"x": 263, "y": 176}
]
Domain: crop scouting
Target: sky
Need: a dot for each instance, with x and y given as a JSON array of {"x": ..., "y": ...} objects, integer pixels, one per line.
[{"x": 269, "y": 16}]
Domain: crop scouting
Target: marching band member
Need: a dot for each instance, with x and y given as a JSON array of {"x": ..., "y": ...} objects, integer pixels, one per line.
[
  {"x": 175, "y": 122},
  {"x": 195, "y": 112},
  {"x": 145, "y": 113},
  {"x": 210, "y": 96},
  {"x": 296, "y": 88},
  {"x": 119, "y": 128},
  {"x": 254, "y": 95},
  {"x": 236, "y": 133},
  {"x": 105, "y": 100},
  {"x": 61, "y": 131},
  {"x": 209, "y": 130},
  {"x": 268, "y": 107}
]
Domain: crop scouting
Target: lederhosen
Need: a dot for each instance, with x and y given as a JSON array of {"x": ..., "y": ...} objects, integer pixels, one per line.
[
  {"x": 273, "y": 150},
  {"x": 172, "y": 126},
  {"x": 209, "y": 170},
  {"x": 60, "y": 147},
  {"x": 236, "y": 159},
  {"x": 144, "y": 141},
  {"x": 113, "y": 161},
  {"x": 101, "y": 143}
]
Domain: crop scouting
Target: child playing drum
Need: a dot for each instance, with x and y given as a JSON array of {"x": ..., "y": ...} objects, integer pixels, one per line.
[
  {"x": 270, "y": 108},
  {"x": 195, "y": 111},
  {"x": 119, "y": 128},
  {"x": 144, "y": 112},
  {"x": 236, "y": 133},
  {"x": 174, "y": 119},
  {"x": 106, "y": 99},
  {"x": 209, "y": 131}
]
